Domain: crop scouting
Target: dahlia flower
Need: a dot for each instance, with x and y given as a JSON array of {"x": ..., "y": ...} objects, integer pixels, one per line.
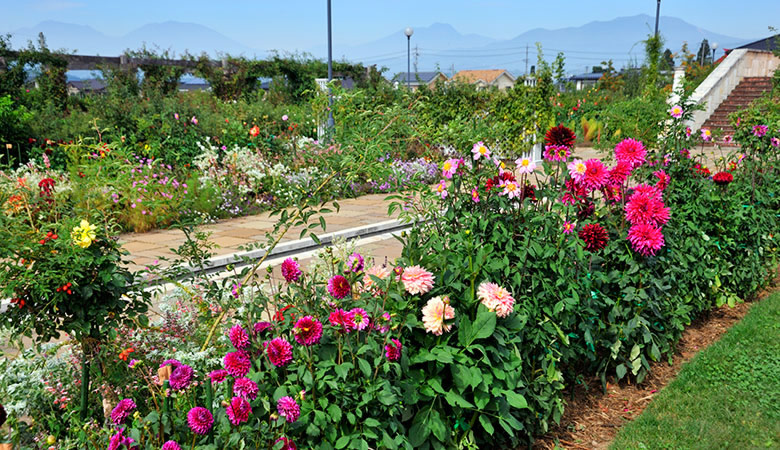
[
  {"x": 525, "y": 165},
  {"x": 556, "y": 152},
  {"x": 495, "y": 298},
  {"x": 441, "y": 189},
  {"x": 619, "y": 174},
  {"x": 393, "y": 350},
  {"x": 359, "y": 318},
  {"x": 174, "y": 363},
  {"x": 568, "y": 227},
  {"x": 676, "y": 111},
  {"x": 238, "y": 337},
  {"x": 279, "y": 351},
  {"x": 435, "y": 312},
  {"x": 368, "y": 284},
  {"x": 646, "y": 189},
  {"x": 288, "y": 408},
  {"x": 728, "y": 139},
  {"x": 343, "y": 320},
  {"x": 644, "y": 208},
  {"x": 355, "y": 262},
  {"x": 200, "y": 420},
  {"x": 631, "y": 151},
  {"x": 646, "y": 239},
  {"x": 287, "y": 444},
  {"x": 559, "y": 135},
  {"x": 244, "y": 387},
  {"x": 449, "y": 167},
  {"x": 511, "y": 189},
  {"x": 171, "y": 445},
  {"x": 307, "y": 331},
  {"x": 722, "y": 178},
  {"x": 237, "y": 364},
  {"x": 291, "y": 270},
  {"x": 122, "y": 411},
  {"x": 577, "y": 169},
  {"x": 663, "y": 180},
  {"x": 181, "y": 377},
  {"x": 261, "y": 326},
  {"x": 338, "y": 287},
  {"x": 760, "y": 130},
  {"x": 775, "y": 142},
  {"x": 595, "y": 175},
  {"x": 381, "y": 323},
  {"x": 706, "y": 134},
  {"x": 238, "y": 410},
  {"x": 218, "y": 376},
  {"x": 417, "y": 280},
  {"x": 594, "y": 236},
  {"x": 480, "y": 150}
]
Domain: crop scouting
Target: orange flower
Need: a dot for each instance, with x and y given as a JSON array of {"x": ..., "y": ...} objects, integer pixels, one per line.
[{"x": 125, "y": 353}]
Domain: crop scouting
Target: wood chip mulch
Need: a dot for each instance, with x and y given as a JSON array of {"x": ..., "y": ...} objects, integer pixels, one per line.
[{"x": 593, "y": 418}]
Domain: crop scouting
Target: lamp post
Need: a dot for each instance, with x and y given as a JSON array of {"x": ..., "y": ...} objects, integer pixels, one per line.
[
  {"x": 408, "y": 32},
  {"x": 330, "y": 73},
  {"x": 714, "y": 47},
  {"x": 657, "y": 12}
]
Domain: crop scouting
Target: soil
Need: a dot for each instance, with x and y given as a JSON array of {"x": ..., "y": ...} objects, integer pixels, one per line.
[{"x": 593, "y": 418}]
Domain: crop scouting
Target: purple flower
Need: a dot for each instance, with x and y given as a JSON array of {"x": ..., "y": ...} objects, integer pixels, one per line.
[
  {"x": 218, "y": 376},
  {"x": 171, "y": 445},
  {"x": 181, "y": 377},
  {"x": 238, "y": 410},
  {"x": 122, "y": 411},
  {"x": 200, "y": 420},
  {"x": 244, "y": 387},
  {"x": 355, "y": 262},
  {"x": 237, "y": 364},
  {"x": 238, "y": 337},
  {"x": 288, "y": 409}
]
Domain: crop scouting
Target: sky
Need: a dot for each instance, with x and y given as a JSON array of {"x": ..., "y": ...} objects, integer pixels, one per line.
[{"x": 300, "y": 24}]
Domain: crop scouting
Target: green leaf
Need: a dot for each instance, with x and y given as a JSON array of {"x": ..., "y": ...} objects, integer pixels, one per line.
[
  {"x": 364, "y": 367},
  {"x": 516, "y": 400},
  {"x": 418, "y": 434},
  {"x": 485, "y": 421},
  {"x": 621, "y": 371},
  {"x": 342, "y": 370},
  {"x": 484, "y": 325},
  {"x": 437, "y": 426},
  {"x": 455, "y": 399},
  {"x": 343, "y": 441},
  {"x": 334, "y": 412}
]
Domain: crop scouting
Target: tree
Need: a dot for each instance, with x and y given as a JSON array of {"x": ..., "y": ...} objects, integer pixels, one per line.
[
  {"x": 704, "y": 52},
  {"x": 559, "y": 68},
  {"x": 667, "y": 60}
]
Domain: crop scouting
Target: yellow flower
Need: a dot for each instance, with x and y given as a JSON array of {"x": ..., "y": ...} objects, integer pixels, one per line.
[{"x": 84, "y": 234}]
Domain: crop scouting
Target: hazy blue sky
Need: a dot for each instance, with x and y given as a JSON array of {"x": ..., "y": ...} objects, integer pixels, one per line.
[{"x": 291, "y": 24}]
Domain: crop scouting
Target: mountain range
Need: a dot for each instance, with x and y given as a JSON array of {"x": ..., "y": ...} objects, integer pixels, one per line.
[{"x": 438, "y": 46}]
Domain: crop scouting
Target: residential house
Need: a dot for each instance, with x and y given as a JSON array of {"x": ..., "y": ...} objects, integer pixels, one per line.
[
  {"x": 83, "y": 87},
  {"x": 483, "y": 79},
  {"x": 417, "y": 79},
  {"x": 585, "y": 80}
]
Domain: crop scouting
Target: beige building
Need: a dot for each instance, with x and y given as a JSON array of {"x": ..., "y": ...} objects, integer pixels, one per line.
[{"x": 483, "y": 79}]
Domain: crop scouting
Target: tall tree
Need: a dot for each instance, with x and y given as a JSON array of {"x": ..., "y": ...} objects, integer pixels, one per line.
[
  {"x": 559, "y": 66},
  {"x": 703, "y": 56}
]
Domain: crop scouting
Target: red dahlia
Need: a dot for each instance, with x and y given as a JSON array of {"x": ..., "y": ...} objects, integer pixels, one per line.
[
  {"x": 594, "y": 236},
  {"x": 722, "y": 178},
  {"x": 559, "y": 135}
]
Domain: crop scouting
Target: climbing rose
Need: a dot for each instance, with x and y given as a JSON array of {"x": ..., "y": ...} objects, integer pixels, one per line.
[
  {"x": 200, "y": 420},
  {"x": 288, "y": 408}
]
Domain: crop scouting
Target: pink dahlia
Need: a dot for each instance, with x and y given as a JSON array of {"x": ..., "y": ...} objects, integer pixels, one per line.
[
  {"x": 244, "y": 387},
  {"x": 480, "y": 150},
  {"x": 450, "y": 166},
  {"x": 181, "y": 377},
  {"x": 495, "y": 298},
  {"x": 360, "y": 318},
  {"x": 568, "y": 227},
  {"x": 368, "y": 284},
  {"x": 577, "y": 169},
  {"x": 595, "y": 176},
  {"x": 619, "y": 174},
  {"x": 238, "y": 410},
  {"x": 706, "y": 134},
  {"x": 291, "y": 270},
  {"x": 171, "y": 445},
  {"x": 435, "y": 312},
  {"x": 122, "y": 410},
  {"x": 475, "y": 195},
  {"x": 525, "y": 165},
  {"x": 237, "y": 364},
  {"x": 338, "y": 287},
  {"x": 355, "y": 263},
  {"x": 511, "y": 189},
  {"x": 556, "y": 152},
  {"x": 238, "y": 337},
  {"x": 174, "y": 363},
  {"x": 631, "y": 151},
  {"x": 200, "y": 420},
  {"x": 663, "y": 180},
  {"x": 644, "y": 208},
  {"x": 287, "y": 444},
  {"x": 646, "y": 189},
  {"x": 218, "y": 376},
  {"x": 676, "y": 111},
  {"x": 417, "y": 280},
  {"x": 307, "y": 331},
  {"x": 775, "y": 142},
  {"x": 381, "y": 323},
  {"x": 646, "y": 239},
  {"x": 261, "y": 326},
  {"x": 279, "y": 351},
  {"x": 441, "y": 189},
  {"x": 343, "y": 320},
  {"x": 393, "y": 350},
  {"x": 760, "y": 130},
  {"x": 288, "y": 408}
]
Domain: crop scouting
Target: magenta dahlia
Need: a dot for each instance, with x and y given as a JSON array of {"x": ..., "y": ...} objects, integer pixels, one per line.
[
  {"x": 171, "y": 445},
  {"x": 307, "y": 331},
  {"x": 238, "y": 410},
  {"x": 261, "y": 326},
  {"x": 343, "y": 320},
  {"x": 244, "y": 387},
  {"x": 338, "y": 287},
  {"x": 218, "y": 376},
  {"x": 594, "y": 236},
  {"x": 288, "y": 408},
  {"x": 174, "y": 363},
  {"x": 393, "y": 350},
  {"x": 646, "y": 239},
  {"x": 556, "y": 152},
  {"x": 355, "y": 263},
  {"x": 279, "y": 351},
  {"x": 181, "y": 377},
  {"x": 238, "y": 337},
  {"x": 291, "y": 270},
  {"x": 287, "y": 444},
  {"x": 760, "y": 130},
  {"x": 359, "y": 318},
  {"x": 619, "y": 174},
  {"x": 200, "y": 420},
  {"x": 631, "y": 151},
  {"x": 663, "y": 180},
  {"x": 237, "y": 363},
  {"x": 646, "y": 208},
  {"x": 122, "y": 411},
  {"x": 595, "y": 175}
]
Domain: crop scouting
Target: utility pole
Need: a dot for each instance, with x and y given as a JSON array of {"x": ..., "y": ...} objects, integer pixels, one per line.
[
  {"x": 657, "y": 12},
  {"x": 416, "y": 57},
  {"x": 330, "y": 73},
  {"x": 526, "y": 59}
]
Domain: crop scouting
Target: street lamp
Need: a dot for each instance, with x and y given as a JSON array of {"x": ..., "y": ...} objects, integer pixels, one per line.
[
  {"x": 330, "y": 73},
  {"x": 714, "y": 47},
  {"x": 408, "y": 32},
  {"x": 657, "y": 12}
]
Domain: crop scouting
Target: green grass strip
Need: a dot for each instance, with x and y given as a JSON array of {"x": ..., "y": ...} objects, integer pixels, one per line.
[{"x": 727, "y": 396}]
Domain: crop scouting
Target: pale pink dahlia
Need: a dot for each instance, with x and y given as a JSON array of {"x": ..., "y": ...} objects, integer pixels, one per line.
[
  {"x": 480, "y": 150},
  {"x": 595, "y": 176},
  {"x": 646, "y": 239},
  {"x": 237, "y": 363},
  {"x": 441, "y": 189},
  {"x": 291, "y": 270},
  {"x": 495, "y": 298},
  {"x": 279, "y": 351},
  {"x": 360, "y": 318},
  {"x": 525, "y": 165},
  {"x": 393, "y": 350},
  {"x": 238, "y": 337},
  {"x": 676, "y": 111},
  {"x": 307, "y": 331},
  {"x": 200, "y": 420},
  {"x": 631, "y": 151},
  {"x": 577, "y": 169},
  {"x": 338, "y": 287},
  {"x": 238, "y": 410},
  {"x": 368, "y": 284},
  {"x": 288, "y": 408},
  {"x": 244, "y": 387},
  {"x": 122, "y": 410},
  {"x": 435, "y": 312},
  {"x": 450, "y": 166},
  {"x": 417, "y": 280}
]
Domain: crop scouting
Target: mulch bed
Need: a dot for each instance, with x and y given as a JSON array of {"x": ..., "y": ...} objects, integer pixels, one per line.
[{"x": 593, "y": 418}]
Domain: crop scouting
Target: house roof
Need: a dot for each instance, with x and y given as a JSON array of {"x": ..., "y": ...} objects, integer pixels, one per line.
[
  {"x": 586, "y": 76},
  {"x": 488, "y": 76},
  {"x": 423, "y": 77},
  {"x": 88, "y": 85},
  {"x": 768, "y": 44}
]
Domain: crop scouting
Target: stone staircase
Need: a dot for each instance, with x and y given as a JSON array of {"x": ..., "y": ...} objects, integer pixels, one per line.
[{"x": 746, "y": 91}]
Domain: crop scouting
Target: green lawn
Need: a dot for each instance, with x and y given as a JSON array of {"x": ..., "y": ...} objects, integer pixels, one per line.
[{"x": 728, "y": 396}]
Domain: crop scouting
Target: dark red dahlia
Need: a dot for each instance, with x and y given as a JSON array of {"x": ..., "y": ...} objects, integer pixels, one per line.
[
  {"x": 594, "y": 236},
  {"x": 585, "y": 209},
  {"x": 529, "y": 192},
  {"x": 559, "y": 135},
  {"x": 722, "y": 178},
  {"x": 47, "y": 186}
]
